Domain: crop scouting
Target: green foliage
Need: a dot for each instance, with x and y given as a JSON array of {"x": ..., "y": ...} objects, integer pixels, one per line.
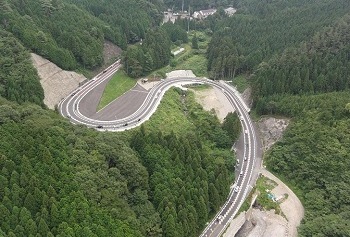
[
  {"x": 18, "y": 79},
  {"x": 241, "y": 82},
  {"x": 189, "y": 174},
  {"x": 261, "y": 29},
  {"x": 71, "y": 33},
  {"x": 118, "y": 85},
  {"x": 264, "y": 186},
  {"x": 175, "y": 32},
  {"x": 320, "y": 65},
  {"x": 232, "y": 126},
  {"x": 58, "y": 179},
  {"x": 195, "y": 42},
  {"x": 172, "y": 109},
  {"x": 223, "y": 58},
  {"x": 196, "y": 63},
  {"x": 313, "y": 156},
  {"x": 154, "y": 53}
]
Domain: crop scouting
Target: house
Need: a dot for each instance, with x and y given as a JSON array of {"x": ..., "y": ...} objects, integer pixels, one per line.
[
  {"x": 173, "y": 16},
  {"x": 206, "y": 13},
  {"x": 202, "y": 14},
  {"x": 230, "y": 11},
  {"x": 196, "y": 15}
]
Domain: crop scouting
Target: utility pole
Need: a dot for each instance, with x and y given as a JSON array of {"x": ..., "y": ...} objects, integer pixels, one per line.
[
  {"x": 188, "y": 19},
  {"x": 182, "y": 7}
]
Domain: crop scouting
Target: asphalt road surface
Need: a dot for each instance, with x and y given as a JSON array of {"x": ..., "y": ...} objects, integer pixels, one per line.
[{"x": 80, "y": 108}]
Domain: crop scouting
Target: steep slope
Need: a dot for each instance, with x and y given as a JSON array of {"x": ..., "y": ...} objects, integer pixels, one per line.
[
  {"x": 314, "y": 155},
  {"x": 320, "y": 65},
  {"x": 69, "y": 35},
  {"x": 260, "y": 29},
  {"x": 19, "y": 80},
  {"x": 56, "y": 181}
]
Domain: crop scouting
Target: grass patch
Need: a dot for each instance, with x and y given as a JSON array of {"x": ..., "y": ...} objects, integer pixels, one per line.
[
  {"x": 171, "y": 114},
  {"x": 196, "y": 63},
  {"x": 241, "y": 83},
  {"x": 118, "y": 85},
  {"x": 189, "y": 59},
  {"x": 264, "y": 186},
  {"x": 246, "y": 204}
]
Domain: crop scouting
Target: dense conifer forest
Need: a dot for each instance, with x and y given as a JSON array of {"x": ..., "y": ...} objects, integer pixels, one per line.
[
  {"x": 314, "y": 158},
  {"x": 297, "y": 56},
  {"x": 260, "y": 29},
  {"x": 58, "y": 179},
  {"x": 19, "y": 80},
  {"x": 71, "y": 33}
]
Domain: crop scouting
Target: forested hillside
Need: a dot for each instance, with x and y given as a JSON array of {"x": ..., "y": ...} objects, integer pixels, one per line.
[
  {"x": 60, "y": 179},
  {"x": 72, "y": 35},
  {"x": 261, "y": 29},
  {"x": 19, "y": 80},
  {"x": 132, "y": 18},
  {"x": 154, "y": 51},
  {"x": 190, "y": 170},
  {"x": 319, "y": 65},
  {"x": 314, "y": 157}
]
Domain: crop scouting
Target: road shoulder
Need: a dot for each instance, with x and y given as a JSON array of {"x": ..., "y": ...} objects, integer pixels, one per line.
[{"x": 291, "y": 207}]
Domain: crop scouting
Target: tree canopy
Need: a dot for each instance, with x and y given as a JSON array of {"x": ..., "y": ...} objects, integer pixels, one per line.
[
  {"x": 261, "y": 29},
  {"x": 60, "y": 179},
  {"x": 314, "y": 156},
  {"x": 71, "y": 33},
  {"x": 19, "y": 80}
]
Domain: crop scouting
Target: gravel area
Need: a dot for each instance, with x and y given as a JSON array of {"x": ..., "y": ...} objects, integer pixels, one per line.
[
  {"x": 56, "y": 82},
  {"x": 264, "y": 224},
  {"x": 271, "y": 130},
  {"x": 110, "y": 52},
  {"x": 180, "y": 73},
  {"x": 291, "y": 207},
  {"x": 213, "y": 98}
]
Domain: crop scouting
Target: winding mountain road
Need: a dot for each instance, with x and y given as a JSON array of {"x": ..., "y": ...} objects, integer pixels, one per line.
[{"x": 77, "y": 107}]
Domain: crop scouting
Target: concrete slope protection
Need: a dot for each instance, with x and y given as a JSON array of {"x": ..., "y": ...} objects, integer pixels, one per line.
[{"x": 70, "y": 107}]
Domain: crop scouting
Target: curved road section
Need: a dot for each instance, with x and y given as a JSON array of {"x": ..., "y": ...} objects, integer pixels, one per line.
[{"x": 70, "y": 107}]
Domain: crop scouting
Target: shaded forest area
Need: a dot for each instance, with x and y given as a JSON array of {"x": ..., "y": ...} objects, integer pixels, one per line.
[
  {"x": 260, "y": 29},
  {"x": 56, "y": 179},
  {"x": 314, "y": 159},
  {"x": 59, "y": 179},
  {"x": 321, "y": 64},
  {"x": 71, "y": 33},
  {"x": 19, "y": 80},
  {"x": 154, "y": 53},
  {"x": 310, "y": 83}
]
